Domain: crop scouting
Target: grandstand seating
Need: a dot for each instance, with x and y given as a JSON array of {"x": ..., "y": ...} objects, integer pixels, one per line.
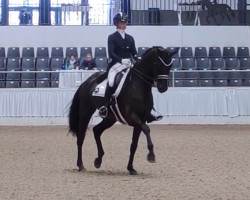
[
  {"x": 84, "y": 51},
  {"x": 57, "y": 52},
  {"x": 214, "y": 52},
  {"x": 71, "y": 51},
  {"x": 42, "y": 52},
  {"x": 200, "y": 52},
  {"x": 141, "y": 51},
  {"x": 13, "y": 52},
  {"x": 243, "y": 52},
  {"x": 186, "y": 52},
  {"x": 100, "y": 52},
  {"x": 2, "y": 52},
  {"x": 28, "y": 52},
  {"x": 229, "y": 52},
  {"x": 212, "y": 68}
]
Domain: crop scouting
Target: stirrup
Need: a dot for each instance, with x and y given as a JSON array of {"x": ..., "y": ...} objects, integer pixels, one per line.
[{"x": 103, "y": 112}]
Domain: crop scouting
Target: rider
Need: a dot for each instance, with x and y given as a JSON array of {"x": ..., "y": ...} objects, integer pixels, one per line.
[{"x": 121, "y": 49}]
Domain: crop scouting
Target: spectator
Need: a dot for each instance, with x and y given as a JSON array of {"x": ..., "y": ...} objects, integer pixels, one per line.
[
  {"x": 88, "y": 63},
  {"x": 72, "y": 62}
]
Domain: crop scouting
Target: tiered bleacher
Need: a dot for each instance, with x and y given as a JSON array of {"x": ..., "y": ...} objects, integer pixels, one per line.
[{"x": 192, "y": 67}]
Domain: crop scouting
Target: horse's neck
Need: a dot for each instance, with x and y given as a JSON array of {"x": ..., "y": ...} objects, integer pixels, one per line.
[{"x": 138, "y": 76}]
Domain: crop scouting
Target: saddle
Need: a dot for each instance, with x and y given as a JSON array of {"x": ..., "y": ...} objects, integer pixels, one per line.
[{"x": 116, "y": 78}]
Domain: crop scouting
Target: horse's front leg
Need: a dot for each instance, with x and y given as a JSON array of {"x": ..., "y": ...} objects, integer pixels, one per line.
[
  {"x": 151, "y": 155},
  {"x": 133, "y": 147},
  {"x": 98, "y": 130}
]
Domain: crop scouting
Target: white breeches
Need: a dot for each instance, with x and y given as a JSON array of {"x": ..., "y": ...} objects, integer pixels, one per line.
[{"x": 113, "y": 71}]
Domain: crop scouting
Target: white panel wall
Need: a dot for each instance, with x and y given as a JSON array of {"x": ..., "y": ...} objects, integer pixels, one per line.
[{"x": 95, "y": 36}]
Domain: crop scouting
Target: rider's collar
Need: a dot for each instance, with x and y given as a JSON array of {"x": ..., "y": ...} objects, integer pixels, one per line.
[{"x": 122, "y": 32}]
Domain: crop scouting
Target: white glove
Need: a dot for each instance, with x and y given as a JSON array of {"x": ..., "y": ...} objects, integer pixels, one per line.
[{"x": 126, "y": 61}]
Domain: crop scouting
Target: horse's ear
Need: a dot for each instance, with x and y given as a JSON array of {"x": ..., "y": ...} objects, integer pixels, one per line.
[{"x": 174, "y": 51}]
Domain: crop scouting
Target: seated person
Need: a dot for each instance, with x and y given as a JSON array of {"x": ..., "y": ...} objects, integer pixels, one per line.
[
  {"x": 72, "y": 62},
  {"x": 88, "y": 62}
]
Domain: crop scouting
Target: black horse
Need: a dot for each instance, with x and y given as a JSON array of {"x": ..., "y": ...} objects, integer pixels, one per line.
[
  {"x": 135, "y": 102},
  {"x": 215, "y": 9}
]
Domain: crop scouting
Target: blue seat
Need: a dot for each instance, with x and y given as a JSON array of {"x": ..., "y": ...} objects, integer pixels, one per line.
[
  {"x": 28, "y": 52},
  {"x": 206, "y": 83},
  {"x": 214, "y": 52},
  {"x": 55, "y": 65},
  {"x": 188, "y": 63},
  {"x": 71, "y": 51},
  {"x": 141, "y": 51},
  {"x": 42, "y": 52},
  {"x": 100, "y": 52},
  {"x": 190, "y": 83},
  {"x": 101, "y": 63},
  {"x": 218, "y": 64},
  {"x": 42, "y": 83},
  {"x": 54, "y": 83},
  {"x": 84, "y": 51},
  {"x": 178, "y": 83},
  {"x": 13, "y": 52},
  {"x": 232, "y": 64},
  {"x": 57, "y": 52},
  {"x": 220, "y": 83},
  {"x": 27, "y": 84},
  {"x": 2, "y": 52},
  {"x": 229, "y": 52},
  {"x": 2, "y": 84},
  {"x": 12, "y": 84},
  {"x": 42, "y": 64},
  {"x": 171, "y": 49},
  {"x": 235, "y": 82},
  {"x": 28, "y": 64},
  {"x": 203, "y": 64},
  {"x": 186, "y": 52},
  {"x": 243, "y": 52},
  {"x": 200, "y": 52}
]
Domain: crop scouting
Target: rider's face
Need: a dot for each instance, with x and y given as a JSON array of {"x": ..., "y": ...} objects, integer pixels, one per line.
[{"x": 122, "y": 25}]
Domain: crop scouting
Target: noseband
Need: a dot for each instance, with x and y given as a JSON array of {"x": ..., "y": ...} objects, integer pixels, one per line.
[{"x": 150, "y": 80}]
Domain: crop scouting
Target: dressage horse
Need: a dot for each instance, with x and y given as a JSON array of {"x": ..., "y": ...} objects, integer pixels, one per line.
[
  {"x": 216, "y": 9},
  {"x": 135, "y": 103}
]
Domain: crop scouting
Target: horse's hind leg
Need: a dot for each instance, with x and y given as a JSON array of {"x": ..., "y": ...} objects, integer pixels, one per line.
[
  {"x": 133, "y": 147},
  {"x": 98, "y": 130},
  {"x": 151, "y": 155},
  {"x": 83, "y": 125}
]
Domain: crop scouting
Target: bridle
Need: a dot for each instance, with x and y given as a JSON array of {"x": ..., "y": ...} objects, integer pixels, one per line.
[{"x": 150, "y": 80}]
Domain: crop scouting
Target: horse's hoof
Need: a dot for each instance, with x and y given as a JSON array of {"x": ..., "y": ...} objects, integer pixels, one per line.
[
  {"x": 81, "y": 168},
  {"x": 98, "y": 163},
  {"x": 151, "y": 158},
  {"x": 133, "y": 172}
]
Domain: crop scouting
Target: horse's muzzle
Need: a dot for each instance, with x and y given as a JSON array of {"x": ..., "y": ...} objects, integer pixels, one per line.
[{"x": 162, "y": 85}]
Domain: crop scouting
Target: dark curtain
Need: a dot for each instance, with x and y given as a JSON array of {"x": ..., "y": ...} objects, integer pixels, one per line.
[
  {"x": 242, "y": 8},
  {"x": 44, "y": 12},
  {"x": 5, "y": 12}
]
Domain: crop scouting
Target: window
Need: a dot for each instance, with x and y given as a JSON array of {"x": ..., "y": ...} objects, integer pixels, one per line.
[{"x": 23, "y": 12}]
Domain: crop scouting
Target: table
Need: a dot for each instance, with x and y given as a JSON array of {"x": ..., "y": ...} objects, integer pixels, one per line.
[{"x": 73, "y": 78}]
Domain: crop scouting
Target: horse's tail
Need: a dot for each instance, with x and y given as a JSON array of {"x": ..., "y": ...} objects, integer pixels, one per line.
[{"x": 74, "y": 113}]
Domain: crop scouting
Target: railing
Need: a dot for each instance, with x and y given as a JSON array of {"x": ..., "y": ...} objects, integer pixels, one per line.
[{"x": 172, "y": 79}]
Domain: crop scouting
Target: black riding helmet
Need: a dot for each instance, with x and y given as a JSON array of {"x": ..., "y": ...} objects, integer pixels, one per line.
[{"x": 120, "y": 17}]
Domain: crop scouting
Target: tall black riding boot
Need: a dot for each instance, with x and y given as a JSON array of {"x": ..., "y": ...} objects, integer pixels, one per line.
[
  {"x": 154, "y": 116},
  {"x": 103, "y": 111}
]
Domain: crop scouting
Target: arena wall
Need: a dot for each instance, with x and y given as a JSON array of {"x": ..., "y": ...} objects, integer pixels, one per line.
[{"x": 96, "y": 36}]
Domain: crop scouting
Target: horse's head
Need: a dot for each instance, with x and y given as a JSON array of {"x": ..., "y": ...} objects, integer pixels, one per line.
[{"x": 159, "y": 62}]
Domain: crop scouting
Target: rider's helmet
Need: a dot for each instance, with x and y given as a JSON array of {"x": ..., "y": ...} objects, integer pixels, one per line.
[{"x": 120, "y": 17}]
